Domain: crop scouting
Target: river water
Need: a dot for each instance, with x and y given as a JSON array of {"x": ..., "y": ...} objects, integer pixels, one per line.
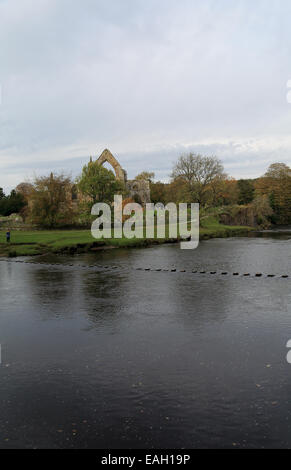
[{"x": 122, "y": 358}]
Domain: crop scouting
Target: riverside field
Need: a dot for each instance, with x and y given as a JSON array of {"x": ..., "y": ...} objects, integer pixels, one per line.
[{"x": 30, "y": 243}]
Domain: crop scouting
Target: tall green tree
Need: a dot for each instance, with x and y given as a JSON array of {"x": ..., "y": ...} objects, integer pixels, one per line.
[
  {"x": 99, "y": 184},
  {"x": 246, "y": 192},
  {"x": 12, "y": 204}
]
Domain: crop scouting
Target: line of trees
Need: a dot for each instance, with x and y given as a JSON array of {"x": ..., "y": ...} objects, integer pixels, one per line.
[
  {"x": 57, "y": 200},
  {"x": 200, "y": 179}
]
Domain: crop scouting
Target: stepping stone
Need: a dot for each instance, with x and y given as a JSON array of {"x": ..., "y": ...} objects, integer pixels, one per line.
[
  {"x": 247, "y": 275},
  {"x": 271, "y": 275},
  {"x": 213, "y": 272},
  {"x": 236, "y": 274},
  {"x": 173, "y": 270},
  {"x": 285, "y": 276},
  {"x": 224, "y": 274},
  {"x": 259, "y": 275}
]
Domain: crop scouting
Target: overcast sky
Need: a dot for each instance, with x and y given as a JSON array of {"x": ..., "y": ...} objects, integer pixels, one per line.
[{"x": 148, "y": 79}]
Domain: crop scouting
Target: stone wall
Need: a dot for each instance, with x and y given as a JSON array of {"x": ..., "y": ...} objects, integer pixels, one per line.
[{"x": 139, "y": 190}]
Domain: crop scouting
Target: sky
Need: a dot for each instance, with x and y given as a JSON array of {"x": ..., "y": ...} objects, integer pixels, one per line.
[{"x": 148, "y": 79}]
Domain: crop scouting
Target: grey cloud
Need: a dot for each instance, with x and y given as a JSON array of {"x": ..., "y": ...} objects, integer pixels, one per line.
[{"x": 147, "y": 79}]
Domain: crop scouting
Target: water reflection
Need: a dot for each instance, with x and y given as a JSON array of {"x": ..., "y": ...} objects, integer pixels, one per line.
[
  {"x": 52, "y": 291},
  {"x": 104, "y": 299}
]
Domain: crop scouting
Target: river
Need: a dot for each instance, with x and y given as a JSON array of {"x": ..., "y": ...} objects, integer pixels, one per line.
[{"x": 116, "y": 357}]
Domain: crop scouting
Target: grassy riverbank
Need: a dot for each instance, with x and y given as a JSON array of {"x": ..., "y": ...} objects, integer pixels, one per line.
[
  {"x": 28, "y": 243},
  {"x": 211, "y": 228}
]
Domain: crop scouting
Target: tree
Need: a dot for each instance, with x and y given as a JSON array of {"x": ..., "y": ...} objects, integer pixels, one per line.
[
  {"x": 51, "y": 201},
  {"x": 25, "y": 189},
  {"x": 98, "y": 184},
  {"x": 145, "y": 175},
  {"x": 246, "y": 192},
  {"x": 2, "y": 195},
  {"x": 262, "y": 210},
  {"x": 12, "y": 204},
  {"x": 217, "y": 190},
  {"x": 276, "y": 184},
  {"x": 158, "y": 192},
  {"x": 229, "y": 194},
  {"x": 199, "y": 173},
  {"x": 177, "y": 191},
  {"x": 278, "y": 171}
]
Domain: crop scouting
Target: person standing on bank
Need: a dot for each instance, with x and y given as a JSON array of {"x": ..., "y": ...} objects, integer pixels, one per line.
[{"x": 8, "y": 236}]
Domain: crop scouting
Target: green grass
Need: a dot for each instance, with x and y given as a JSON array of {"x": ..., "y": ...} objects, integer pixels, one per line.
[
  {"x": 31, "y": 243},
  {"x": 211, "y": 228},
  {"x": 38, "y": 242}
]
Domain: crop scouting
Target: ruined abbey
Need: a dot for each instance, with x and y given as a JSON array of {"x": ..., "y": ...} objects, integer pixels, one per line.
[{"x": 139, "y": 190}]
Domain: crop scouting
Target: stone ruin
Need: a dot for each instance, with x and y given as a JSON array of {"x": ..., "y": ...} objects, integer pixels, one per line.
[{"x": 139, "y": 190}]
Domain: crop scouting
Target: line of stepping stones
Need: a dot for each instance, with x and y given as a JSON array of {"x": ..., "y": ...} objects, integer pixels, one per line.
[
  {"x": 171, "y": 270},
  {"x": 217, "y": 273}
]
